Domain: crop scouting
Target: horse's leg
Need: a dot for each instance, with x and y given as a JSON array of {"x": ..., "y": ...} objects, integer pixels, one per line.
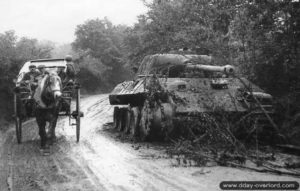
[
  {"x": 41, "y": 121},
  {"x": 52, "y": 128},
  {"x": 42, "y": 131},
  {"x": 55, "y": 117}
]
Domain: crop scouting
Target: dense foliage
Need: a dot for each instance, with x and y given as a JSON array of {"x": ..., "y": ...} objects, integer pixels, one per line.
[{"x": 99, "y": 51}]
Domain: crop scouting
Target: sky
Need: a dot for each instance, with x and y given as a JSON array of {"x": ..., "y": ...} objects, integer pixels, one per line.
[{"x": 56, "y": 20}]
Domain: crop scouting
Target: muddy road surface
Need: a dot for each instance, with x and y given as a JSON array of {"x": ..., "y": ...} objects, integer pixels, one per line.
[{"x": 102, "y": 161}]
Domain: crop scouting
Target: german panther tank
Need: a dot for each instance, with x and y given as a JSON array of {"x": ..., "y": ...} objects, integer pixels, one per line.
[{"x": 171, "y": 90}]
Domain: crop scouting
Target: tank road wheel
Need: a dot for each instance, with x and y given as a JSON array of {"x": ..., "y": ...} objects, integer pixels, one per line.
[
  {"x": 78, "y": 114},
  {"x": 18, "y": 120},
  {"x": 156, "y": 122},
  {"x": 122, "y": 119},
  {"x": 134, "y": 121},
  {"x": 145, "y": 123},
  {"x": 116, "y": 117},
  {"x": 127, "y": 120}
]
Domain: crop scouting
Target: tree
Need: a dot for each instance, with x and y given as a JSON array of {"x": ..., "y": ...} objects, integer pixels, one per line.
[
  {"x": 100, "y": 40},
  {"x": 268, "y": 35},
  {"x": 170, "y": 25},
  {"x": 7, "y": 48},
  {"x": 29, "y": 49}
]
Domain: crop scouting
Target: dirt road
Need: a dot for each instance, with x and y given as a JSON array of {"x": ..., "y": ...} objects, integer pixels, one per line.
[{"x": 101, "y": 161}]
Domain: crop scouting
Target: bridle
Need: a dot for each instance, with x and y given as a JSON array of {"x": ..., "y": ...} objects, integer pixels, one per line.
[{"x": 48, "y": 92}]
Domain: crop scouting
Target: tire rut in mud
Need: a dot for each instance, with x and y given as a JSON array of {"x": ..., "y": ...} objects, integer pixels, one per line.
[{"x": 24, "y": 168}]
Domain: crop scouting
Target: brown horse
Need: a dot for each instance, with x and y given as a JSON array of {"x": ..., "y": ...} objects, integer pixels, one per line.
[{"x": 48, "y": 99}]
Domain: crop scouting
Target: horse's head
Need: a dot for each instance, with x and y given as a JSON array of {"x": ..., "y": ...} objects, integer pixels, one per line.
[
  {"x": 51, "y": 93},
  {"x": 55, "y": 85}
]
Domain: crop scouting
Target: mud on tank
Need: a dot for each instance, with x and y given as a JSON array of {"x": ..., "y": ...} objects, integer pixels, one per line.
[{"x": 171, "y": 89}]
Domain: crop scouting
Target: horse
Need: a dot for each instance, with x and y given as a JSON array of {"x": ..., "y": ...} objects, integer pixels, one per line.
[{"x": 48, "y": 103}]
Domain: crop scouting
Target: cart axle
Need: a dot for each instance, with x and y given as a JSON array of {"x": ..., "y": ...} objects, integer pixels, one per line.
[{"x": 75, "y": 114}]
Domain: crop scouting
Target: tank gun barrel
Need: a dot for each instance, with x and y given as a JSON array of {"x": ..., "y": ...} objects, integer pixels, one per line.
[{"x": 227, "y": 69}]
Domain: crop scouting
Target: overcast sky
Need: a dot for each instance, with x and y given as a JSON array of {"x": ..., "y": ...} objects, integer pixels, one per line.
[{"x": 56, "y": 20}]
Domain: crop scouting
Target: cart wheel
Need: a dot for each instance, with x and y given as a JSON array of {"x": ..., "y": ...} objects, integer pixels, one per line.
[
  {"x": 18, "y": 121},
  {"x": 78, "y": 115}
]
